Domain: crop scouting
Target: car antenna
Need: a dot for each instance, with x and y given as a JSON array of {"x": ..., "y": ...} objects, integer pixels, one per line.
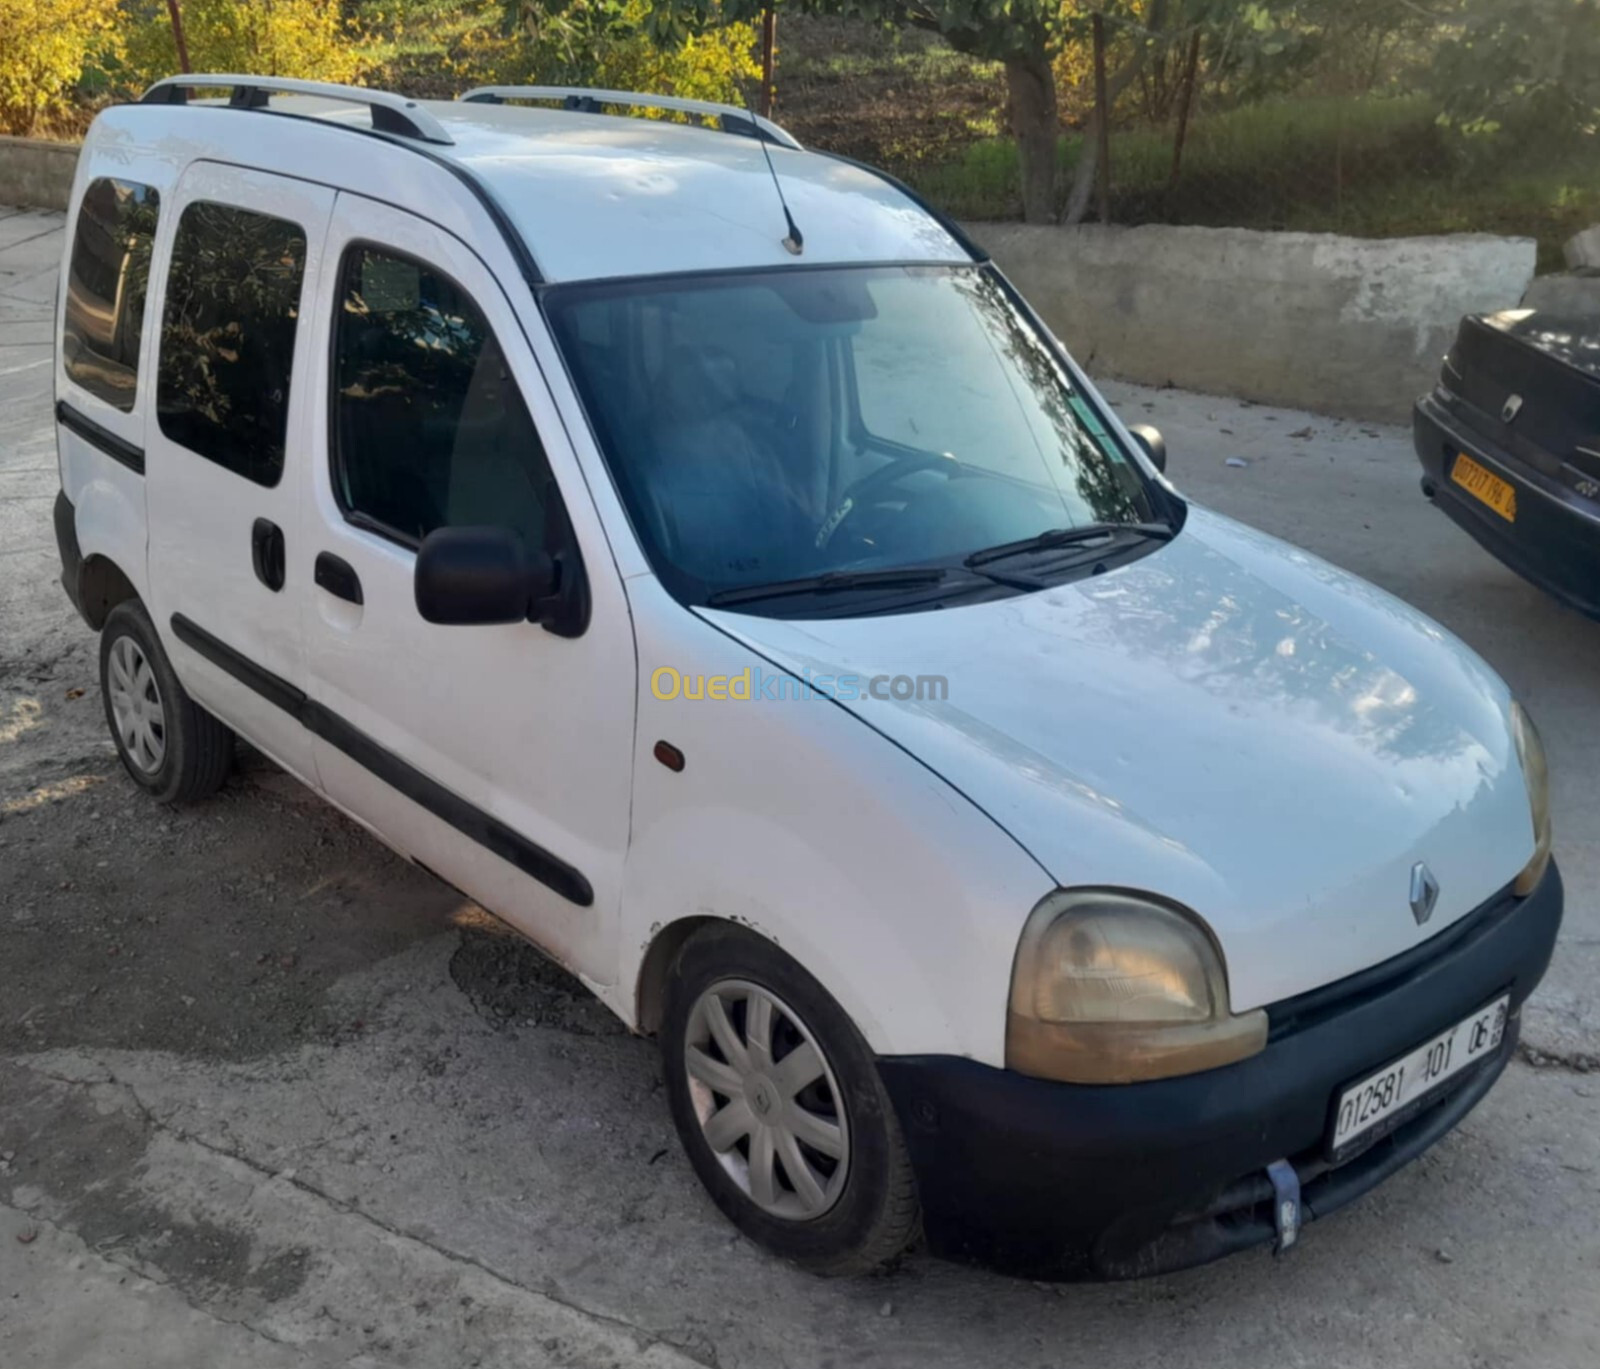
[{"x": 795, "y": 243}]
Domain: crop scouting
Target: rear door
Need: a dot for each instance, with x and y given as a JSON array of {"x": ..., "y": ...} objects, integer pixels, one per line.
[
  {"x": 498, "y": 756},
  {"x": 228, "y": 451}
]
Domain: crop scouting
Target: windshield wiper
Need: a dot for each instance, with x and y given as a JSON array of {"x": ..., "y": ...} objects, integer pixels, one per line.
[
  {"x": 1069, "y": 537},
  {"x": 832, "y": 582}
]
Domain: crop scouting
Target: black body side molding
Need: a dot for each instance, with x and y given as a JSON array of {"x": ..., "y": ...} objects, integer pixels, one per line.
[
  {"x": 118, "y": 449},
  {"x": 489, "y": 832}
]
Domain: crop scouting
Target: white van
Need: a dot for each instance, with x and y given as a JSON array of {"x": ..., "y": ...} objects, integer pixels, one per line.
[{"x": 694, "y": 550}]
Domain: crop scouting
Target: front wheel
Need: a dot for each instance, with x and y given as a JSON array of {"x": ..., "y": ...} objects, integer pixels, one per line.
[
  {"x": 168, "y": 743},
  {"x": 778, "y": 1103}
]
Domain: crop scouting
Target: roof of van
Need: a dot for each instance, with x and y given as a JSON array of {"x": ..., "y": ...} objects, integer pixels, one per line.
[{"x": 603, "y": 196}]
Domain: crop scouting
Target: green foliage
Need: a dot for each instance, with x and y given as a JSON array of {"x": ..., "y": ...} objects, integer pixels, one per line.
[
  {"x": 1529, "y": 68},
  {"x": 614, "y": 44},
  {"x": 1279, "y": 164},
  {"x": 994, "y": 29},
  {"x": 1370, "y": 167},
  {"x": 1255, "y": 47},
  {"x": 310, "y": 39},
  {"x": 44, "y": 47}
]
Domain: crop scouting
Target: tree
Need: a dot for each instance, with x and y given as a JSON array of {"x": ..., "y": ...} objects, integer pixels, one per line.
[
  {"x": 1528, "y": 67},
  {"x": 44, "y": 45},
  {"x": 304, "y": 38},
  {"x": 611, "y": 43},
  {"x": 1024, "y": 36},
  {"x": 1021, "y": 34}
]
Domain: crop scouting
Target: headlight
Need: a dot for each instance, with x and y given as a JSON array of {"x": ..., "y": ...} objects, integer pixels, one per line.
[
  {"x": 1109, "y": 988},
  {"x": 1530, "y": 751}
]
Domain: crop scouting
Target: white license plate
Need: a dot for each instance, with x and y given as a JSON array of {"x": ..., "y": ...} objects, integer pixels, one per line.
[{"x": 1387, "y": 1092}]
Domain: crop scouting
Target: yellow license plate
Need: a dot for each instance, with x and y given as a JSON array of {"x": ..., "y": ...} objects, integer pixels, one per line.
[{"x": 1485, "y": 486}]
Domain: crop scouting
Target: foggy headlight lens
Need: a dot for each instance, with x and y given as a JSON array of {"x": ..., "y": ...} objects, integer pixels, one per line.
[
  {"x": 1530, "y": 751},
  {"x": 1109, "y": 988}
]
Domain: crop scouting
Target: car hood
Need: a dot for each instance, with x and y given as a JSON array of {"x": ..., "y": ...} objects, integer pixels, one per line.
[{"x": 1228, "y": 722}]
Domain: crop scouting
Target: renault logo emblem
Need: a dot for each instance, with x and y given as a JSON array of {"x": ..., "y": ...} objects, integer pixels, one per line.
[
  {"x": 1511, "y": 408},
  {"x": 1424, "y": 892}
]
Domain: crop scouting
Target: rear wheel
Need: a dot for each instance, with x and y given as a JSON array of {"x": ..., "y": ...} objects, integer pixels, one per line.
[
  {"x": 168, "y": 743},
  {"x": 778, "y": 1103}
]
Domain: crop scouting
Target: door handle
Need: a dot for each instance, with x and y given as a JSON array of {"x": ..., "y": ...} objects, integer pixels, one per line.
[
  {"x": 266, "y": 553},
  {"x": 338, "y": 577}
]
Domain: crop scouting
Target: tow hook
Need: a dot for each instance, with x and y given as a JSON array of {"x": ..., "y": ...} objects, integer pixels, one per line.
[{"x": 1286, "y": 1215}]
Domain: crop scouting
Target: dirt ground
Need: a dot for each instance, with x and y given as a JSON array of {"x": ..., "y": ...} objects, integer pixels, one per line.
[{"x": 271, "y": 1096}]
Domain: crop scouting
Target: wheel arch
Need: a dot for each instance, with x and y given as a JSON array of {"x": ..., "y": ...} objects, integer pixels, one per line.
[
  {"x": 102, "y": 585},
  {"x": 650, "y": 986}
]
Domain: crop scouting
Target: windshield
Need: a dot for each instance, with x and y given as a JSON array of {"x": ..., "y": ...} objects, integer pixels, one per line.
[{"x": 767, "y": 428}]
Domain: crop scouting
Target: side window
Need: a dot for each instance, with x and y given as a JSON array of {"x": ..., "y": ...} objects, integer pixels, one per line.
[
  {"x": 429, "y": 429},
  {"x": 106, "y": 282},
  {"x": 227, "y": 337}
]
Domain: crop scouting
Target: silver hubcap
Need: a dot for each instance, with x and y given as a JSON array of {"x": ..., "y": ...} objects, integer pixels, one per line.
[
  {"x": 136, "y": 706},
  {"x": 767, "y": 1100}
]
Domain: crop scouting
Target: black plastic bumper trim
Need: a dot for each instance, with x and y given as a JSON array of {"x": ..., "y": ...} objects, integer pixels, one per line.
[
  {"x": 1240, "y": 1217},
  {"x": 1074, "y": 1182},
  {"x": 446, "y": 805},
  {"x": 66, "y": 523},
  {"x": 117, "y": 448}
]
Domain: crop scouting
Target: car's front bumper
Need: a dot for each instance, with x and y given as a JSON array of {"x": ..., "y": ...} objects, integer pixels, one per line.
[
  {"x": 1065, "y": 1181},
  {"x": 1555, "y": 541}
]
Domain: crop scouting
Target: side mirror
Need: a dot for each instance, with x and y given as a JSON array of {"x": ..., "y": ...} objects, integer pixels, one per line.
[
  {"x": 474, "y": 576},
  {"x": 1155, "y": 446}
]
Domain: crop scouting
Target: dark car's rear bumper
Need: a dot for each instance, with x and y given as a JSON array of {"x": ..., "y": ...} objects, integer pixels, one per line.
[
  {"x": 1065, "y": 1181},
  {"x": 1555, "y": 541}
]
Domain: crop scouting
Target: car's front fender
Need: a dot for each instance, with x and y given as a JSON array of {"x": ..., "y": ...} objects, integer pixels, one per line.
[{"x": 795, "y": 818}]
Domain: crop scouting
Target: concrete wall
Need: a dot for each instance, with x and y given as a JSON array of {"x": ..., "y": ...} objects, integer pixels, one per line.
[
  {"x": 35, "y": 174},
  {"x": 1307, "y": 320},
  {"x": 1564, "y": 294}
]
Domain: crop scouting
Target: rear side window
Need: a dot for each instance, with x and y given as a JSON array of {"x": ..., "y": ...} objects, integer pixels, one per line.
[
  {"x": 227, "y": 337},
  {"x": 429, "y": 429},
  {"x": 106, "y": 282}
]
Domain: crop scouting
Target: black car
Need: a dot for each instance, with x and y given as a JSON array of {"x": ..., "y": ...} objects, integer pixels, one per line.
[{"x": 1510, "y": 446}]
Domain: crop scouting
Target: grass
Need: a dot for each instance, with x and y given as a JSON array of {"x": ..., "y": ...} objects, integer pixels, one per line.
[{"x": 1365, "y": 167}]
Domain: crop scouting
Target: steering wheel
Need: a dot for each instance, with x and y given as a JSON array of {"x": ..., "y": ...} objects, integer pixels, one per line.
[{"x": 869, "y": 486}]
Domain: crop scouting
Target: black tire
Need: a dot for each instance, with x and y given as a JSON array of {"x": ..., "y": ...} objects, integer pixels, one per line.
[
  {"x": 197, "y": 749},
  {"x": 876, "y": 1214}
]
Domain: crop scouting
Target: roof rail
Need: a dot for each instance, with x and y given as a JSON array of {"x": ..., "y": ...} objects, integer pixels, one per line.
[
  {"x": 391, "y": 113},
  {"x": 582, "y": 100}
]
